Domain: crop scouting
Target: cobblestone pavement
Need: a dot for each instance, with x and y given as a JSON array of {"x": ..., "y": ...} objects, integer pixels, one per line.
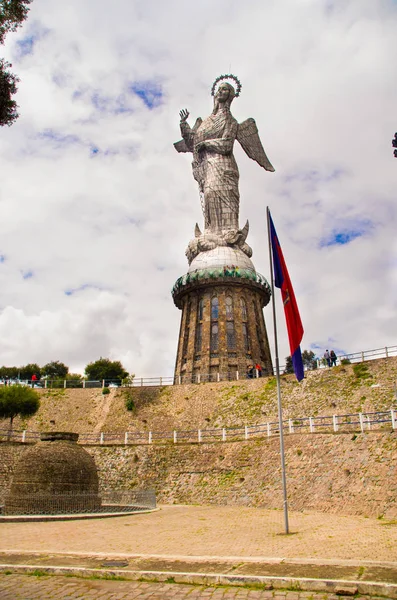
[
  {"x": 24, "y": 587},
  {"x": 217, "y": 531}
]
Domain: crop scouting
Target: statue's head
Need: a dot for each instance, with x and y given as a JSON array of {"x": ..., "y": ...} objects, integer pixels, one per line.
[{"x": 225, "y": 94}]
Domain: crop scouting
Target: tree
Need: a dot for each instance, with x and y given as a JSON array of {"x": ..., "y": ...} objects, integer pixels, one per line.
[
  {"x": 104, "y": 368},
  {"x": 55, "y": 370},
  {"x": 8, "y": 87},
  {"x": 309, "y": 360},
  {"x": 288, "y": 365},
  {"x": 74, "y": 380},
  {"x": 18, "y": 400},
  {"x": 27, "y": 371},
  {"x": 12, "y": 15},
  {"x": 9, "y": 372}
]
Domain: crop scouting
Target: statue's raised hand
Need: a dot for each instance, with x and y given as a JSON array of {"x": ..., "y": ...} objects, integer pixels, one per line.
[{"x": 184, "y": 114}]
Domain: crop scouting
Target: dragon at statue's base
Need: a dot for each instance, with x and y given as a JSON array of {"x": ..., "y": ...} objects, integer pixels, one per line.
[{"x": 202, "y": 242}]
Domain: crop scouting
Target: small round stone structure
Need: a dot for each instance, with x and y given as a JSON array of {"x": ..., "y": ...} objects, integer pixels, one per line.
[{"x": 56, "y": 476}]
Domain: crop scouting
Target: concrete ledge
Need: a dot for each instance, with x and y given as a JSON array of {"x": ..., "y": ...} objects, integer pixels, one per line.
[
  {"x": 76, "y": 517},
  {"x": 292, "y": 583}
]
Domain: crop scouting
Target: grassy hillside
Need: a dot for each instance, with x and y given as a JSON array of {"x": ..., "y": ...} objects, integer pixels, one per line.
[{"x": 368, "y": 386}]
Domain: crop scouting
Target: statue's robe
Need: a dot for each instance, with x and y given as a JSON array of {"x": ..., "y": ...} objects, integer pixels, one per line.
[{"x": 215, "y": 169}]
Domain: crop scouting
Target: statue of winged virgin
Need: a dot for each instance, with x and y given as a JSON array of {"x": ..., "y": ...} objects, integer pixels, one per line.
[{"x": 215, "y": 169}]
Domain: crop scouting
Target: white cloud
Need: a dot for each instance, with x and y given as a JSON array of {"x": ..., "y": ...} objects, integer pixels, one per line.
[{"x": 95, "y": 200}]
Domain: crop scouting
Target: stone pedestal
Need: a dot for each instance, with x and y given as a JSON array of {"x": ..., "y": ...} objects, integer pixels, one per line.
[
  {"x": 56, "y": 476},
  {"x": 222, "y": 325}
]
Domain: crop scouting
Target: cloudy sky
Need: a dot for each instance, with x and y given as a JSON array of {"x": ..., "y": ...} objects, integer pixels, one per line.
[{"x": 97, "y": 208}]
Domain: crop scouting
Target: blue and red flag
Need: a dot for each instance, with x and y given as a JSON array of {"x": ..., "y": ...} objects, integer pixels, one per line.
[{"x": 292, "y": 316}]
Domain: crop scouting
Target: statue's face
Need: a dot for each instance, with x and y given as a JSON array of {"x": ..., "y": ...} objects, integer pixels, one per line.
[{"x": 223, "y": 92}]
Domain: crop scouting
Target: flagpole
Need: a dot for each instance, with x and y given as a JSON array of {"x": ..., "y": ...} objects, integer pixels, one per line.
[{"x": 280, "y": 410}]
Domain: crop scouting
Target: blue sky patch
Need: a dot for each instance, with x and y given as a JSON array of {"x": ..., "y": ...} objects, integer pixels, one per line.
[
  {"x": 107, "y": 104},
  {"x": 315, "y": 346},
  {"x": 60, "y": 139},
  {"x": 345, "y": 234},
  {"x": 2, "y": 258},
  {"x": 343, "y": 237},
  {"x": 319, "y": 349},
  {"x": 85, "y": 286},
  {"x": 149, "y": 91},
  {"x": 25, "y": 46},
  {"x": 315, "y": 176},
  {"x": 101, "y": 103},
  {"x": 27, "y": 274}
]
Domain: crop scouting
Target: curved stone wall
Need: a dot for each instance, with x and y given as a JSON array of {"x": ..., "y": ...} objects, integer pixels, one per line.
[{"x": 338, "y": 473}]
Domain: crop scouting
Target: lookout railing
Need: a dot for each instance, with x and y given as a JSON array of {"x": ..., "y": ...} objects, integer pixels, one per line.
[
  {"x": 352, "y": 422},
  {"x": 194, "y": 378}
]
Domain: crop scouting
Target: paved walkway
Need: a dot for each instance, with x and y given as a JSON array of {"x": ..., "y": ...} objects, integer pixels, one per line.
[
  {"x": 199, "y": 544},
  {"x": 23, "y": 587},
  {"x": 219, "y": 531}
]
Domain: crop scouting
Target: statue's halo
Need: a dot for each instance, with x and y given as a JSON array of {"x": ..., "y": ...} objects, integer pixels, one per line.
[{"x": 230, "y": 76}]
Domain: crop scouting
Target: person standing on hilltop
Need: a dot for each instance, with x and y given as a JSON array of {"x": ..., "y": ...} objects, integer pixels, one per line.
[
  {"x": 333, "y": 358},
  {"x": 327, "y": 357}
]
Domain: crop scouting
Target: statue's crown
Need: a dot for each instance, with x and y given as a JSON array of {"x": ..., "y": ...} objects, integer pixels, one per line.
[{"x": 230, "y": 76}]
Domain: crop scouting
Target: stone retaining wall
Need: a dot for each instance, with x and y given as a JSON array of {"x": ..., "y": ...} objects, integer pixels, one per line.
[{"x": 338, "y": 473}]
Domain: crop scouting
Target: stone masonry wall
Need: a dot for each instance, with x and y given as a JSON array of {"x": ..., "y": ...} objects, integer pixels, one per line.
[
  {"x": 200, "y": 359},
  {"x": 337, "y": 473}
]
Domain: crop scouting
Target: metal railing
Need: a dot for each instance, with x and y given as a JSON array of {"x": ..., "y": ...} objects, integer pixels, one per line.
[
  {"x": 68, "y": 503},
  {"x": 352, "y": 422},
  {"x": 354, "y": 357}
]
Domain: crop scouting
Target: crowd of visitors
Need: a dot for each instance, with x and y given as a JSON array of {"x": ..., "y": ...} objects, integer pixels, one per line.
[
  {"x": 254, "y": 371},
  {"x": 33, "y": 382}
]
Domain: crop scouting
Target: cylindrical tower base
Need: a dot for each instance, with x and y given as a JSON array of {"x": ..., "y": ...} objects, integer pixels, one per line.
[{"x": 223, "y": 332}]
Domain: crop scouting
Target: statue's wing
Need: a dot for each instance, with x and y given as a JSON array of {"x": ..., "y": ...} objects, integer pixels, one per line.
[
  {"x": 181, "y": 146},
  {"x": 247, "y": 135}
]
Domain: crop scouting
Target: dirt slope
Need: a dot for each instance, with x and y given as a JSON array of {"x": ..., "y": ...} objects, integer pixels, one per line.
[{"x": 322, "y": 392}]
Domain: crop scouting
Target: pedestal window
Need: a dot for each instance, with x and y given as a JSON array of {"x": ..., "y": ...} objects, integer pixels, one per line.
[
  {"x": 199, "y": 338},
  {"x": 246, "y": 339},
  {"x": 214, "y": 309},
  {"x": 230, "y": 335},
  {"x": 244, "y": 315},
  {"x": 214, "y": 338}
]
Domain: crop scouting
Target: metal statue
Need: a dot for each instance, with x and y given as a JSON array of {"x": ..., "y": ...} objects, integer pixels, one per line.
[{"x": 215, "y": 168}]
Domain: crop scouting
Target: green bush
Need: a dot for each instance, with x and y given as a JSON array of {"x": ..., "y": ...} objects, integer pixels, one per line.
[
  {"x": 361, "y": 371},
  {"x": 129, "y": 400},
  {"x": 345, "y": 361},
  {"x": 105, "y": 391},
  {"x": 56, "y": 384},
  {"x": 129, "y": 404}
]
